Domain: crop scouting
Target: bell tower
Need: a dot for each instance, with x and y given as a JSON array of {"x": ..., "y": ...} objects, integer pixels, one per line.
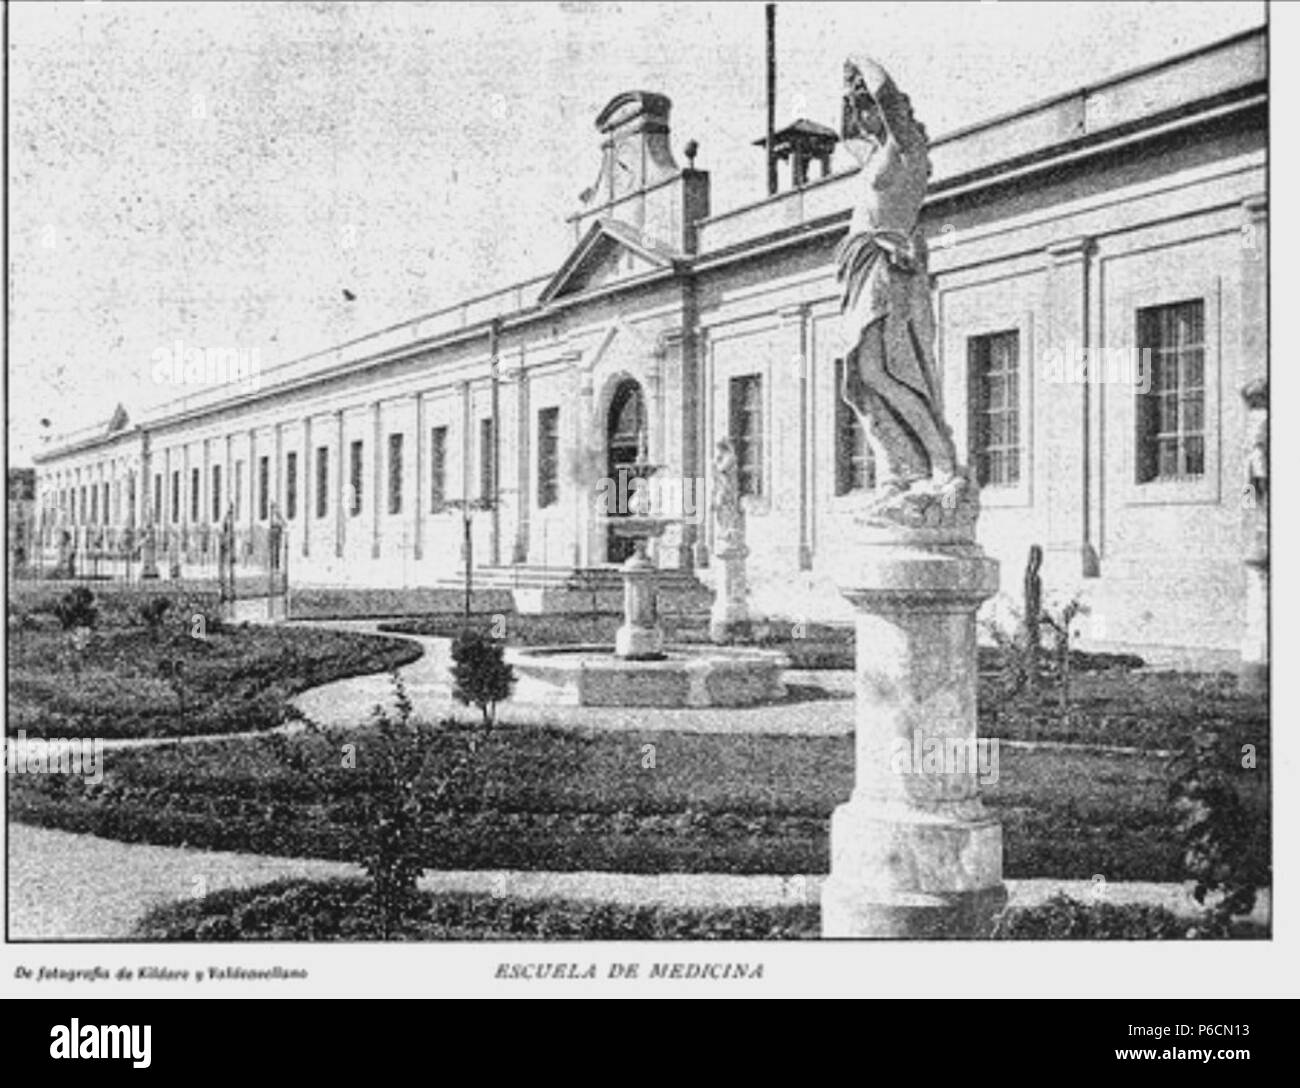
[{"x": 640, "y": 184}]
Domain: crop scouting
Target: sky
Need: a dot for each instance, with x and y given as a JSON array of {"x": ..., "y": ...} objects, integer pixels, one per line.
[{"x": 221, "y": 174}]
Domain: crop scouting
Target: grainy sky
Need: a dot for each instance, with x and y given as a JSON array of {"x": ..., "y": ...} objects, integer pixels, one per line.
[{"x": 220, "y": 174}]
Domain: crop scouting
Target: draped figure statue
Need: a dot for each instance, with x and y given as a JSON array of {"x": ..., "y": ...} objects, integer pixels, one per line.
[{"x": 890, "y": 378}]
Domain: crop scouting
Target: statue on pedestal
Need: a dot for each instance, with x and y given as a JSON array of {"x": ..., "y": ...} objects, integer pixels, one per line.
[
  {"x": 275, "y": 538},
  {"x": 890, "y": 378},
  {"x": 728, "y": 515},
  {"x": 226, "y": 555}
]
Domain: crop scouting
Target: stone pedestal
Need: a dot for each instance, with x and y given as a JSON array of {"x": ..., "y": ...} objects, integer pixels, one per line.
[
  {"x": 914, "y": 853},
  {"x": 729, "y": 618},
  {"x": 1252, "y": 675},
  {"x": 67, "y": 557},
  {"x": 149, "y": 555},
  {"x": 640, "y": 637}
]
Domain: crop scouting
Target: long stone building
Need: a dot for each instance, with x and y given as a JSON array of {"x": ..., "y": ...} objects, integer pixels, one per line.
[{"x": 1124, "y": 221}]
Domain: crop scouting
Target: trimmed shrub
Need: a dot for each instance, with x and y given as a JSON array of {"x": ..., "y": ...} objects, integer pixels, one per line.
[
  {"x": 76, "y": 608},
  {"x": 1064, "y": 919},
  {"x": 480, "y": 674}
]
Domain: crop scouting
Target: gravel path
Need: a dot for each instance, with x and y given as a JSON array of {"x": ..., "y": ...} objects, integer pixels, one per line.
[
  {"x": 63, "y": 885},
  {"x": 820, "y": 703}
]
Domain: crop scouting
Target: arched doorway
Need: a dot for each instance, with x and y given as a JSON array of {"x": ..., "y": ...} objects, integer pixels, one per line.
[{"x": 625, "y": 443}]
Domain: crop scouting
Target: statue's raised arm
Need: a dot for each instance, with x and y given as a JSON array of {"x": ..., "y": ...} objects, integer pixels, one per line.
[{"x": 867, "y": 84}]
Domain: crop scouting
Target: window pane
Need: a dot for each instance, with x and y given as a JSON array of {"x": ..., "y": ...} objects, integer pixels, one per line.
[
  {"x": 438, "y": 469},
  {"x": 394, "y": 473},
  {"x": 548, "y": 446},
  {"x": 1171, "y": 416},
  {"x": 354, "y": 477},
  {"x": 322, "y": 481},
  {"x": 745, "y": 396},
  {"x": 291, "y": 486},
  {"x": 994, "y": 421}
]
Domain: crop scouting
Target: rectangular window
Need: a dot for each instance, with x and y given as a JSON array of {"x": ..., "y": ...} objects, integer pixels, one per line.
[
  {"x": 217, "y": 512},
  {"x": 394, "y": 473},
  {"x": 437, "y": 468},
  {"x": 322, "y": 481},
  {"x": 354, "y": 477},
  {"x": 993, "y": 370},
  {"x": 486, "y": 467},
  {"x": 195, "y": 497},
  {"x": 239, "y": 489},
  {"x": 746, "y": 417},
  {"x": 176, "y": 496},
  {"x": 103, "y": 507},
  {"x": 855, "y": 467},
  {"x": 291, "y": 485},
  {"x": 157, "y": 499},
  {"x": 94, "y": 504},
  {"x": 130, "y": 499},
  {"x": 263, "y": 488},
  {"x": 1171, "y": 415},
  {"x": 548, "y": 457}
]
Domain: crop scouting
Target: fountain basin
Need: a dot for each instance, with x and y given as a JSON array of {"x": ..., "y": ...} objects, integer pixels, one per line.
[{"x": 687, "y": 676}]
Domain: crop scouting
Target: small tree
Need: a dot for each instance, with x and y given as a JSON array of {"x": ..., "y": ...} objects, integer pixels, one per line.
[
  {"x": 1061, "y": 622},
  {"x": 151, "y": 614},
  {"x": 480, "y": 673},
  {"x": 407, "y": 768}
]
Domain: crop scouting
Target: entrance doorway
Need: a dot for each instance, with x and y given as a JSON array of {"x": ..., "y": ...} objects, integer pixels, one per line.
[{"x": 626, "y": 444}]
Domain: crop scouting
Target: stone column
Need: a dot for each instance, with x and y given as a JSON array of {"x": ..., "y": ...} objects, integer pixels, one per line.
[
  {"x": 797, "y": 318},
  {"x": 379, "y": 499},
  {"x": 914, "y": 853},
  {"x": 523, "y": 466},
  {"x": 640, "y": 637},
  {"x": 307, "y": 487},
  {"x": 341, "y": 470},
  {"x": 1066, "y": 423},
  {"x": 148, "y": 515},
  {"x": 417, "y": 500},
  {"x": 729, "y": 617},
  {"x": 581, "y": 424}
]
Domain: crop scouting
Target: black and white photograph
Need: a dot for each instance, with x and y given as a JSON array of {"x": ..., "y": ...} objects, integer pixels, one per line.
[{"x": 635, "y": 492}]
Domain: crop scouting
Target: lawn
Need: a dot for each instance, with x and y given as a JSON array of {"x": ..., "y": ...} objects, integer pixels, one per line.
[
  {"x": 547, "y": 799},
  {"x": 188, "y": 674}
]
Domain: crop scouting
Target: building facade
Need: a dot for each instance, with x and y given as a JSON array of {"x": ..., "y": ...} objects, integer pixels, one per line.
[{"x": 1123, "y": 225}]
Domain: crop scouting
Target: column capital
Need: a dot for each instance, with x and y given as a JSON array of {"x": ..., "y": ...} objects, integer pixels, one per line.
[
  {"x": 1256, "y": 206},
  {"x": 1069, "y": 250},
  {"x": 796, "y": 313},
  {"x": 669, "y": 340}
]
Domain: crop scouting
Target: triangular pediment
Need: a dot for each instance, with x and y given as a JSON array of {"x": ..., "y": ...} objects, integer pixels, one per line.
[{"x": 610, "y": 252}]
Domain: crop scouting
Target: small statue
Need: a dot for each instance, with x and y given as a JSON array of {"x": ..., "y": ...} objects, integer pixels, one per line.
[
  {"x": 1256, "y": 397},
  {"x": 727, "y": 511},
  {"x": 274, "y": 536}
]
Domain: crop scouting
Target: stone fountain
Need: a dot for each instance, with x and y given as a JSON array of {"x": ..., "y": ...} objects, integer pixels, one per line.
[{"x": 639, "y": 670}]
